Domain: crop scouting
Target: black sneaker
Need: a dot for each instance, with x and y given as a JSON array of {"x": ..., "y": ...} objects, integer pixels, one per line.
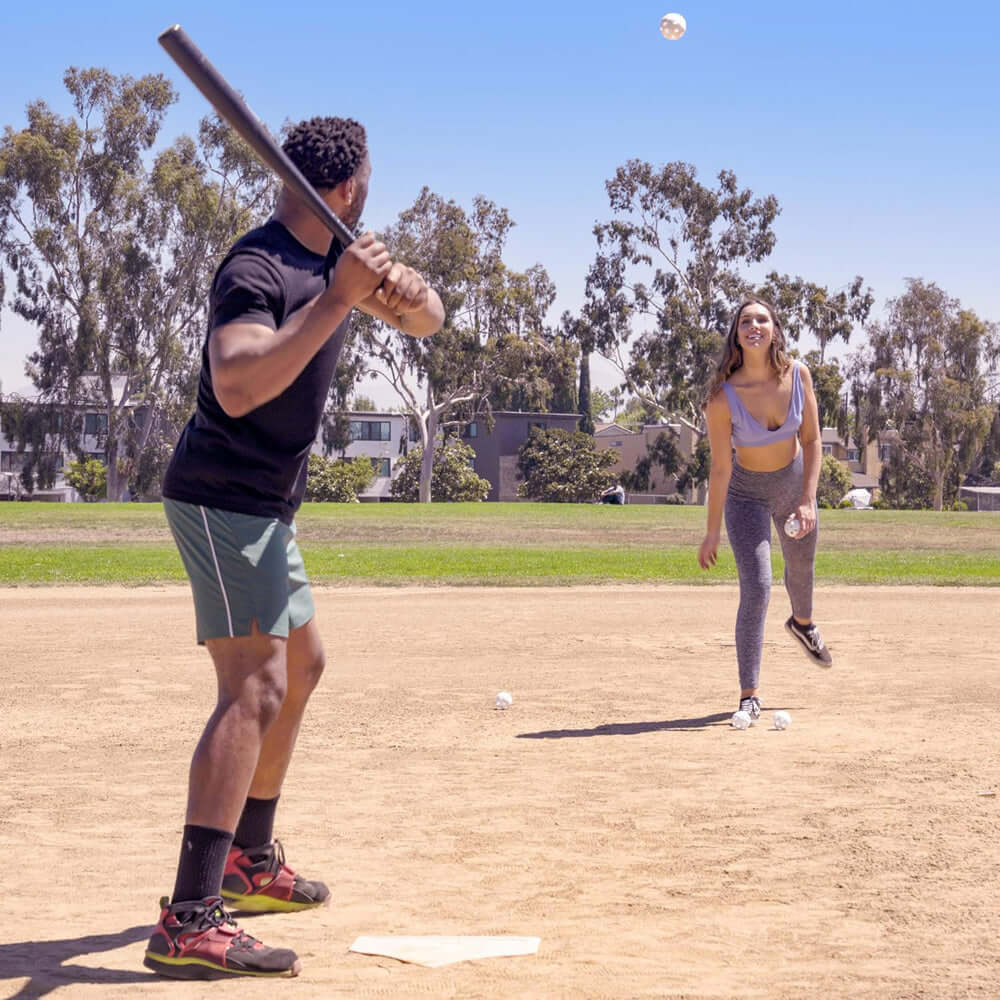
[
  {"x": 197, "y": 939},
  {"x": 811, "y": 641},
  {"x": 751, "y": 706}
]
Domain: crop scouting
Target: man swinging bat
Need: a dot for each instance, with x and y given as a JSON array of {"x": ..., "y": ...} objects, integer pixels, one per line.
[{"x": 279, "y": 311}]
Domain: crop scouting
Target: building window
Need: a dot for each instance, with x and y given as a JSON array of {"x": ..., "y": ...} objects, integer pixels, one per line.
[
  {"x": 853, "y": 455},
  {"x": 828, "y": 449},
  {"x": 370, "y": 430},
  {"x": 884, "y": 452},
  {"x": 540, "y": 424},
  {"x": 471, "y": 430},
  {"x": 95, "y": 423},
  {"x": 382, "y": 467},
  {"x": 617, "y": 444}
]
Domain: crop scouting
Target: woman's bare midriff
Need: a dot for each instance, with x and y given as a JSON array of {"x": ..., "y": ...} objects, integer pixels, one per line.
[{"x": 768, "y": 457}]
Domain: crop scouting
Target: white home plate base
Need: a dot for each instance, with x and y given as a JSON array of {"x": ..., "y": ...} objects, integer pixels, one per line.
[{"x": 434, "y": 950}]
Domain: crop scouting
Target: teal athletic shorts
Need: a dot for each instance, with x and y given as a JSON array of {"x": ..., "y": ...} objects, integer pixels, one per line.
[{"x": 243, "y": 569}]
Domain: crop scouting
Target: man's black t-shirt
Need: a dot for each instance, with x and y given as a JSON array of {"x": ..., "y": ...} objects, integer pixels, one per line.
[{"x": 256, "y": 464}]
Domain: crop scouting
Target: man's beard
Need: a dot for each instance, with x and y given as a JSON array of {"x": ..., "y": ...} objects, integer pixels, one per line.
[{"x": 352, "y": 219}]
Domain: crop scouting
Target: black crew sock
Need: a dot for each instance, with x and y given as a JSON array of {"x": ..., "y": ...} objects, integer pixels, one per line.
[
  {"x": 256, "y": 825},
  {"x": 202, "y": 864}
]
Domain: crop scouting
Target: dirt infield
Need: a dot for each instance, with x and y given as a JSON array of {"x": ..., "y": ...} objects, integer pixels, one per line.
[{"x": 611, "y": 811}]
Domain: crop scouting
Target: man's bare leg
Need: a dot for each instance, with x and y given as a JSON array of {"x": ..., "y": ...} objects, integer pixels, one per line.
[
  {"x": 257, "y": 877},
  {"x": 305, "y": 662},
  {"x": 252, "y": 681}
]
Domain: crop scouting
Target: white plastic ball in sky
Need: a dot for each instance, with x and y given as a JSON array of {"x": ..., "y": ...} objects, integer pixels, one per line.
[
  {"x": 504, "y": 700},
  {"x": 782, "y": 720},
  {"x": 672, "y": 26},
  {"x": 741, "y": 720}
]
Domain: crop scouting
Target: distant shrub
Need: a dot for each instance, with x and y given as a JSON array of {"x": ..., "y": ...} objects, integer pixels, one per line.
[
  {"x": 453, "y": 479},
  {"x": 834, "y": 482},
  {"x": 338, "y": 481},
  {"x": 89, "y": 478},
  {"x": 560, "y": 466}
]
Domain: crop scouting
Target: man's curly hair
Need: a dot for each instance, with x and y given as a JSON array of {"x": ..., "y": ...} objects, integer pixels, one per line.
[{"x": 327, "y": 150}]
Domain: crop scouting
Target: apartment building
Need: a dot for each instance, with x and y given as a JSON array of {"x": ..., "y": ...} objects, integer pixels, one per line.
[
  {"x": 383, "y": 438},
  {"x": 496, "y": 450},
  {"x": 13, "y": 462}
]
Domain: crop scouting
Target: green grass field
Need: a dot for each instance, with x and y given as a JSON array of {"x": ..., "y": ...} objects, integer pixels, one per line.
[{"x": 497, "y": 544}]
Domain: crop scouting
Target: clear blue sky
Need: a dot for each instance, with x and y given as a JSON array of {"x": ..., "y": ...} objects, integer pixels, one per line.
[{"x": 874, "y": 123}]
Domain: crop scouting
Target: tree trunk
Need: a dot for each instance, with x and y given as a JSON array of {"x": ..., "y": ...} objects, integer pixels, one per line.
[
  {"x": 586, "y": 421},
  {"x": 938, "y": 494},
  {"x": 427, "y": 459},
  {"x": 115, "y": 481},
  {"x": 939, "y": 474}
]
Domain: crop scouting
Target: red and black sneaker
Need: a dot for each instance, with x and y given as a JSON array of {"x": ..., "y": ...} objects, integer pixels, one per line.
[
  {"x": 257, "y": 880},
  {"x": 197, "y": 939}
]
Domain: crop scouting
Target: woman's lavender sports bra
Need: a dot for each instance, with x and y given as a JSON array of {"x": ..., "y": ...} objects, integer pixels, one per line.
[{"x": 748, "y": 433}]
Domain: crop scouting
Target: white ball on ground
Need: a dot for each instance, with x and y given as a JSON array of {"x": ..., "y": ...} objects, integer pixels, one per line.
[
  {"x": 672, "y": 26},
  {"x": 741, "y": 720},
  {"x": 782, "y": 720},
  {"x": 504, "y": 701}
]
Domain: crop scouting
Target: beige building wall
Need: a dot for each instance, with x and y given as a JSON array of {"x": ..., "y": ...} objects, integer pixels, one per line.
[{"x": 633, "y": 446}]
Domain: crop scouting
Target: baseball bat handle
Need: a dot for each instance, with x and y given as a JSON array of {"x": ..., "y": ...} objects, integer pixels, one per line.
[{"x": 234, "y": 110}]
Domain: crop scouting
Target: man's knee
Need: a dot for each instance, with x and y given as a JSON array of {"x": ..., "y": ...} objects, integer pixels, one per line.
[
  {"x": 270, "y": 689},
  {"x": 306, "y": 660},
  {"x": 255, "y": 680},
  {"x": 261, "y": 694},
  {"x": 315, "y": 669},
  {"x": 305, "y": 673}
]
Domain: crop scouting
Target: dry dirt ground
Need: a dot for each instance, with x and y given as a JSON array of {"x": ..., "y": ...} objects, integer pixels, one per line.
[{"x": 612, "y": 811}]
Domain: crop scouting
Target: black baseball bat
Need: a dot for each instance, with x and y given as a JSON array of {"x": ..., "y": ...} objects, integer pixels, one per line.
[{"x": 233, "y": 109}]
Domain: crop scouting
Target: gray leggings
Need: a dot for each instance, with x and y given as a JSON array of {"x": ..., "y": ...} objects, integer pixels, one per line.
[{"x": 755, "y": 499}]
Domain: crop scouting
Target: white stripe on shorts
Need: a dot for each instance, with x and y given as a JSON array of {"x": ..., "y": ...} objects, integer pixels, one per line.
[{"x": 218, "y": 572}]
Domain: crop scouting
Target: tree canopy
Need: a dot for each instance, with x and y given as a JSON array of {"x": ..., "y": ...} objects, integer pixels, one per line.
[
  {"x": 563, "y": 466},
  {"x": 670, "y": 267},
  {"x": 112, "y": 249},
  {"x": 922, "y": 377},
  {"x": 493, "y": 347}
]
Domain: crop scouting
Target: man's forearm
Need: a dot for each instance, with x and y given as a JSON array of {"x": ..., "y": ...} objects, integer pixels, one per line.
[{"x": 425, "y": 321}]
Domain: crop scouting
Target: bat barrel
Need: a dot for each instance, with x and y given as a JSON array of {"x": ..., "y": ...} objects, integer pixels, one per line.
[{"x": 234, "y": 110}]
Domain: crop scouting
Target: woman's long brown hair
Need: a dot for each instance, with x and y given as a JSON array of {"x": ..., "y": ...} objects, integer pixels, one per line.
[{"x": 732, "y": 354}]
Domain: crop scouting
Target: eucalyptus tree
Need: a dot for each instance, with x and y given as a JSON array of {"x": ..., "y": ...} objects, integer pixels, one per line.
[
  {"x": 806, "y": 307},
  {"x": 494, "y": 321},
  {"x": 923, "y": 376},
  {"x": 112, "y": 246},
  {"x": 671, "y": 265}
]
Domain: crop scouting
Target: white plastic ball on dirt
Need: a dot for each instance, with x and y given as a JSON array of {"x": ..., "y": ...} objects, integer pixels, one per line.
[
  {"x": 782, "y": 720},
  {"x": 741, "y": 720},
  {"x": 672, "y": 26},
  {"x": 504, "y": 701}
]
